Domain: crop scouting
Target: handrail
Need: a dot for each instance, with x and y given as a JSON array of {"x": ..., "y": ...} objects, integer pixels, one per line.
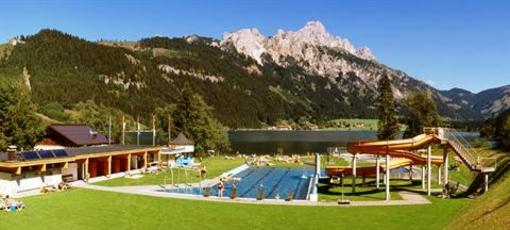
[{"x": 464, "y": 149}]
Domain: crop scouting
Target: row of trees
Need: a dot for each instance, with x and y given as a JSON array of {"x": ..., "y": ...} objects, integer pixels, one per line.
[
  {"x": 23, "y": 127},
  {"x": 420, "y": 112},
  {"x": 191, "y": 115}
]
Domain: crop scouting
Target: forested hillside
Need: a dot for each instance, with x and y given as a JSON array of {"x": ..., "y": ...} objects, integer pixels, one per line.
[{"x": 62, "y": 70}]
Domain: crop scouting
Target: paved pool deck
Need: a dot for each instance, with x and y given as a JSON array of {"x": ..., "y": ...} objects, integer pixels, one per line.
[{"x": 408, "y": 198}]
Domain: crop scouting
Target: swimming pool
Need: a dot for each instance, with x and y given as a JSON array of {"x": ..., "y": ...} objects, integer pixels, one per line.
[{"x": 275, "y": 181}]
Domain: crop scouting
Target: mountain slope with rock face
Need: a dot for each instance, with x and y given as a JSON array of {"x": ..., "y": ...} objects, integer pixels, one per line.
[
  {"x": 333, "y": 58},
  {"x": 248, "y": 79}
]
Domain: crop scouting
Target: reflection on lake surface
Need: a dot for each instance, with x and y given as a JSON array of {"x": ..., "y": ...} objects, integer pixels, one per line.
[{"x": 293, "y": 142}]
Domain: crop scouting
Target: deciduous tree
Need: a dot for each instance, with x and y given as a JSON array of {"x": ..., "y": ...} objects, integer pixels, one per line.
[
  {"x": 19, "y": 123},
  {"x": 422, "y": 112}
]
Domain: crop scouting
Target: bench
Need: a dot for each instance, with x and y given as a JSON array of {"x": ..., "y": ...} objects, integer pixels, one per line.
[{"x": 67, "y": 178}]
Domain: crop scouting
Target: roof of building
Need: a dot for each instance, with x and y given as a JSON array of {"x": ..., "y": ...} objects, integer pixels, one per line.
[
  {"x": 72, "y": 152},
  {"x": 181, "y": 139},
  {"x": 103, "y": 149},
  {"x": 77, "y": 134}
]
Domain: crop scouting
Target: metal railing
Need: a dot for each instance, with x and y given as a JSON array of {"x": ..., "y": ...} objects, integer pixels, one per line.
[
  {"x": 463, "y": 148},
  {"x": 468, "y": 153}
]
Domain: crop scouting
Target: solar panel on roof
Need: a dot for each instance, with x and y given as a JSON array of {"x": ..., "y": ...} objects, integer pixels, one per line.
[
  {"x": 46, "y": 154},
  {"x": 60, "y": 153},
  {"x": 30, "y": 155}
]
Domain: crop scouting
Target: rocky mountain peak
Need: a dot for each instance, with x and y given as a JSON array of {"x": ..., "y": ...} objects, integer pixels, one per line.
[
  {"x": 291, "y": 43},
  {"x": 315, "y": 26},
  {"x": 247, "y": 41}
]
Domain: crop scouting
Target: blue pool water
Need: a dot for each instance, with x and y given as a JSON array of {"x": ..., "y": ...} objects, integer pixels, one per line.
[{"x": 271, "y": 179}]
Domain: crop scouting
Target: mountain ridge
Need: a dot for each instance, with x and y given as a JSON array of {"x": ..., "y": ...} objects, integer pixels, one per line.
[{"x": 242, "y": 92}]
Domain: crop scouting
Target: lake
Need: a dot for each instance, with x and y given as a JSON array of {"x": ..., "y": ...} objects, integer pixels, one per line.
[{"x": 291, "y": 142}]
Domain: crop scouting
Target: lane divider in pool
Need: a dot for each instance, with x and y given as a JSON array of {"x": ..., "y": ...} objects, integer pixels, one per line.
[
  {"x": 229, "y": 173},
  {"x": 273, "y": 189},
  {"x": 257, "y": 182}
]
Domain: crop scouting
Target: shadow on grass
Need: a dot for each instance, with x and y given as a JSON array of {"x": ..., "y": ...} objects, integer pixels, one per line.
[
  {"x": 369, "y": 188},
  {"x": 476, "y": 187}
]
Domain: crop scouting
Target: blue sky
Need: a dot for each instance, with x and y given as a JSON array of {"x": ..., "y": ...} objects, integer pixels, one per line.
[{"x": 457, "y": 43}]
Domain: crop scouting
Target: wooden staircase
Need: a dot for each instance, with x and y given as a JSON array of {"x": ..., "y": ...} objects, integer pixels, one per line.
[{"x": 470, "y": 157}]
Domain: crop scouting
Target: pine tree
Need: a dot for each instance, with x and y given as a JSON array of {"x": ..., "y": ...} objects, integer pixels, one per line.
[
  {"x": 422, "y": 113},
  {"x": 388, "y": 123},
  {"x": 19, "y": 123},
  {"x": 195, "y": 119}
]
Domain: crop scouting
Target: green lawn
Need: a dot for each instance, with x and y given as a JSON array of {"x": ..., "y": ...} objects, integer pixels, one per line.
[
  {"x": 87, "y": 209},
  {"x": 215, "y": 167},
  {"x": 368, "y": 124}
]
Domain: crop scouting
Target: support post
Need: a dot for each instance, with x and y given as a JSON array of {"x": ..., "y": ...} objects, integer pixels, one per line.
[
  {"x": 486, "y": 180},
  {"x": 159, "y": 158},
  {"x": 354, "y": 173},
  {"x": 377, "y": 171},
  {"x": 145, "y": 160},
  {"x": 423, "y": 177},
  {"x": 129, "y": 164},
  {"x": 445, "y": 165},
  {"x": 429, "y": 168},
  {"x": 87, "y": 174},
  {"x": 109, "y": 166},
  {"x": 439, "y": 180},
  {"x": 388, "y": 197},
  {"x": 411, "y": 172}
]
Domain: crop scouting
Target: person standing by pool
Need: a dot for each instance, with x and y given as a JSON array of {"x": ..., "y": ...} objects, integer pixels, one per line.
[
  {"x": 221, "y": 186},
  {"x": 203, "y": 172}
]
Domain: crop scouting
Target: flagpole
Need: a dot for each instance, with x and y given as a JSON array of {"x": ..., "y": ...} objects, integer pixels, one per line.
[
  {"x": 153, "y": 130},
  {"x": 138, "y": 129}
]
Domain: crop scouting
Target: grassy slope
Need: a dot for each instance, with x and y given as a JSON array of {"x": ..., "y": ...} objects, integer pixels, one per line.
[
  {"x": 86, "y": 209},
  {"x": 489, "y": 211},
  {"x": 492, "y": 209},
  {"x": 215, "y": 167}
]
